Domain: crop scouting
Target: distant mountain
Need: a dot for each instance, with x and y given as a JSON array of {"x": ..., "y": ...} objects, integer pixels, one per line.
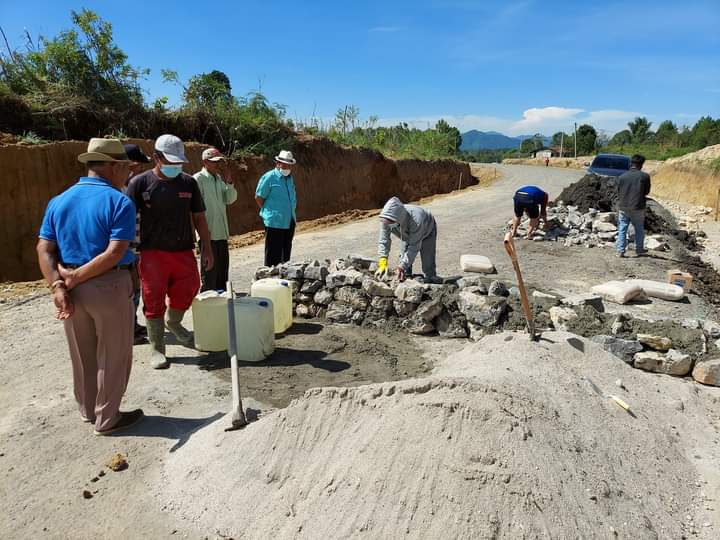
[{"x": 492, "y": 140}]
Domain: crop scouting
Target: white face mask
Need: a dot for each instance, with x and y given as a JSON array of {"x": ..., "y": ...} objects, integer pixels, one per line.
[{"x": 285, "y": 172}]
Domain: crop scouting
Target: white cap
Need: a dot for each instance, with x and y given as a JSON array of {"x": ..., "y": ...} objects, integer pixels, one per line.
[
  {"x": 212, "y": 154},
  {"x": 172, "y": 148},
  {"x": 285, "y": 156}
]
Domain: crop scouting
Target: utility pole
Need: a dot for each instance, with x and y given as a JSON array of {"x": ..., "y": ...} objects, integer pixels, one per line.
[
  {"x": 575, "y": 140},
  {"x": 562, "y": 136}
]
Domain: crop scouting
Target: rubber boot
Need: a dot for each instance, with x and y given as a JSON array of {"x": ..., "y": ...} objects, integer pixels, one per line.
[
  {"x": 156, "y": 336},
  {"x": 174, "y": 324}
]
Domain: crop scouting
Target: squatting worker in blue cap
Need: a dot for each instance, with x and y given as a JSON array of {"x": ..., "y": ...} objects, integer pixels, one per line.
[
  {"x": 275, "y": 195},
  {"x": 533, "y": 201},
  {"x": 85, "y": 256},
  {"x": 417, "y": 231}
]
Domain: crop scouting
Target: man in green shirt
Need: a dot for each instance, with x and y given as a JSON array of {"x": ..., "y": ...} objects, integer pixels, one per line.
[{"x": 217, "y": 189}]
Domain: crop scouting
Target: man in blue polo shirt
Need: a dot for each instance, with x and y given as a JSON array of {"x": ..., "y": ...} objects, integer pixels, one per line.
[
  {"x": 533, "y": 201},
  {"x": 85, "y": 256},
  {"x": 275, "y": 195}
]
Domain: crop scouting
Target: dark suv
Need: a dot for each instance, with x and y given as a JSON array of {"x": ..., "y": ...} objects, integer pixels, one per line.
[{"x": 609, "y": 164}]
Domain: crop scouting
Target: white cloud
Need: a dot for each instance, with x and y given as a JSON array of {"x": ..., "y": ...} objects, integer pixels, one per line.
[
  {"x": 546, "y": 120},
  {"x": 537, "y": 119}
]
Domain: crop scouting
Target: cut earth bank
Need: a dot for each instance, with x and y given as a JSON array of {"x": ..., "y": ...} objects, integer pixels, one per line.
[
  {"x": 330, "y": 179},
  {"x": 502, "y": 439}
]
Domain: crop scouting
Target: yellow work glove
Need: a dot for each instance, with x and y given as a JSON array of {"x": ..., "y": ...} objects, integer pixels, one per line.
[{"x": 381, "y": 271}]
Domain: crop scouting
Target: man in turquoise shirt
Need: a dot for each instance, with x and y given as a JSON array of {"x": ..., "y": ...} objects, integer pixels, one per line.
[
  {"x": 275, "y": 195},
  {"x": 217, "y": 189}
]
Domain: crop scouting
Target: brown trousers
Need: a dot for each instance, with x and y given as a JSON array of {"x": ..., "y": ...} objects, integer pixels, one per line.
[{"x": 100, "y": 338}]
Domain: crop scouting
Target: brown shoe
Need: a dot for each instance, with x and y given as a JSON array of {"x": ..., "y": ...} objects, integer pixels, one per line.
[{"x": 127, "y": 420}]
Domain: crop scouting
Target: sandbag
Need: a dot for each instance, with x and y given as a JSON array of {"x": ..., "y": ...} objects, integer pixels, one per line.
[
  {"x": 658, "y": 289},
  {"x": 619, "y": 292},
  {"x": 476, "y": 263}
]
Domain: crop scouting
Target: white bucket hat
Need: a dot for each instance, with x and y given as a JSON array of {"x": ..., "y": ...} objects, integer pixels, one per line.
[
  {"x": 172, "y": 148},
  {"x": 285, "y": 156}
]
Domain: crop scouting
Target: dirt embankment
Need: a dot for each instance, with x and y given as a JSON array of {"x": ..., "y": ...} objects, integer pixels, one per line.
[
  {"x": 330, "y": 180},
  {"x": 689, "y": 179}
]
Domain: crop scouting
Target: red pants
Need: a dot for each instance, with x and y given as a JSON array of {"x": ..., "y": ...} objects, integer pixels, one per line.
[{"x": 168, "y": 274}]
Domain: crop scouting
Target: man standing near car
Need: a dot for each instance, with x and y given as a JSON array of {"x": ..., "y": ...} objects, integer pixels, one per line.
[
  {"x": 217, "y": 189},
  {"x": 275, "y": 195},
  {"x": 170, "y": 205},
  {"x": 633, "y": 188},
  {"x": 84, "y": 254}
]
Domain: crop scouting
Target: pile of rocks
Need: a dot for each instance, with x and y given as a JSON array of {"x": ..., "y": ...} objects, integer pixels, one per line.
[
  {"x": 658, "y": 353},
  {"x": 346, "y": 291},
  {"x": 590, "y": 229}
]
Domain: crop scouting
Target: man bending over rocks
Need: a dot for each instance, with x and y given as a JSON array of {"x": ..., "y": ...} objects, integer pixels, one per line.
[
  {"x": 533, "y": 201},
  {"x": 417, "y": 231}
]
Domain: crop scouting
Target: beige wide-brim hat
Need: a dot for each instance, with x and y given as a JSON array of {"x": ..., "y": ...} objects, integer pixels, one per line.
[
  {"x": 103, "y": 150},
  {"x": 285, "y": 156}
]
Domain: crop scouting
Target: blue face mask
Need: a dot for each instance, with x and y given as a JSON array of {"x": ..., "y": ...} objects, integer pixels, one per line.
[{"x": 171, "y": 171}]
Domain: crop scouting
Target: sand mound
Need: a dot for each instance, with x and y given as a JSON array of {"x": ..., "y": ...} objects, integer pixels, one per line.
[
  {"x": 505, "y": 440},
  {"x": 709, "y": 153}
]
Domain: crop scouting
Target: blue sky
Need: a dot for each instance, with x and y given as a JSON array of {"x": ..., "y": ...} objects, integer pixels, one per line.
[{"x": 516, "y": 66}]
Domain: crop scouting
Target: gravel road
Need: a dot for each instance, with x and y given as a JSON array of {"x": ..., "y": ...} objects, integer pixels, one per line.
[{"x": 48, "y": 456}]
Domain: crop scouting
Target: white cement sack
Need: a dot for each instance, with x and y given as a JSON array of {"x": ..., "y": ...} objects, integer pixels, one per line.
[
  {"x": 619, "y": 292},
  {"x": 476, "y": 263},
  {"x": 658, "y": 289}
]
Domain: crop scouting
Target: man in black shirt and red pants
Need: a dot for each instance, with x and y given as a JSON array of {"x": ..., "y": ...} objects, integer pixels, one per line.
[{"x": 170, "y": 205}]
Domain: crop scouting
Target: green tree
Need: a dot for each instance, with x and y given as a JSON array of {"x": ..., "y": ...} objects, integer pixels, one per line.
[
  {"x": 557, "y": 138},
  {"x": 207, "y": 90},
  {"x": 530, "y": 145},
  {"x": 452, "y": 133},
  {"x": 640, "y": 129},
  {"x": 346, "y": 118},
  {"x": 586, "y": 138},
  {"x": 621, "y": 138},
  {"x": 705, "y": 132},
  {"x": 83, "y": 62},
  {"x": 667, "y": 133}
]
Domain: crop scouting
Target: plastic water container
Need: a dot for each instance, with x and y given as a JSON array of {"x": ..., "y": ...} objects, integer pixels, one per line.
[
  {"x": 279, "y": 292},
  {"x": 254, "y": 328},
  {"x": 210, "y": 321}
]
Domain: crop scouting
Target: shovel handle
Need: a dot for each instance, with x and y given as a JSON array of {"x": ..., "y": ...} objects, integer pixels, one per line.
[
  {"x": 510, "y": 247},
  {"x": 620, "y": 402}
]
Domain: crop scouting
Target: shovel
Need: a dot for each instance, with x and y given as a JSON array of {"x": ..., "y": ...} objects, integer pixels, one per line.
[
  {"x": 238, "y": 414},
  {"x": 510, "y": 248}
]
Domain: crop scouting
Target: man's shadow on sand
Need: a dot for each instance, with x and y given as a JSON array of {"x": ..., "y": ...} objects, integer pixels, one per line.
[{"x": 169, "y": 427}]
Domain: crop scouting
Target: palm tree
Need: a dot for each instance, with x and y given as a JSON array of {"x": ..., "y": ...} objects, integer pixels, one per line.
[{"x": 640, "y": 129}]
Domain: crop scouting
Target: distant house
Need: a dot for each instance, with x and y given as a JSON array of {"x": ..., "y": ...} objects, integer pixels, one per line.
[
  {"x": 552, "y": 151},
  {"x": 543, "y": 153}
]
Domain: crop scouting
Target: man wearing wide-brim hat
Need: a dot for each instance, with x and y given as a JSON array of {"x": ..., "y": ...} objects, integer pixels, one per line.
[
  {"x": 85, "y": 256},
  {"x": 276, "y": 197}
]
